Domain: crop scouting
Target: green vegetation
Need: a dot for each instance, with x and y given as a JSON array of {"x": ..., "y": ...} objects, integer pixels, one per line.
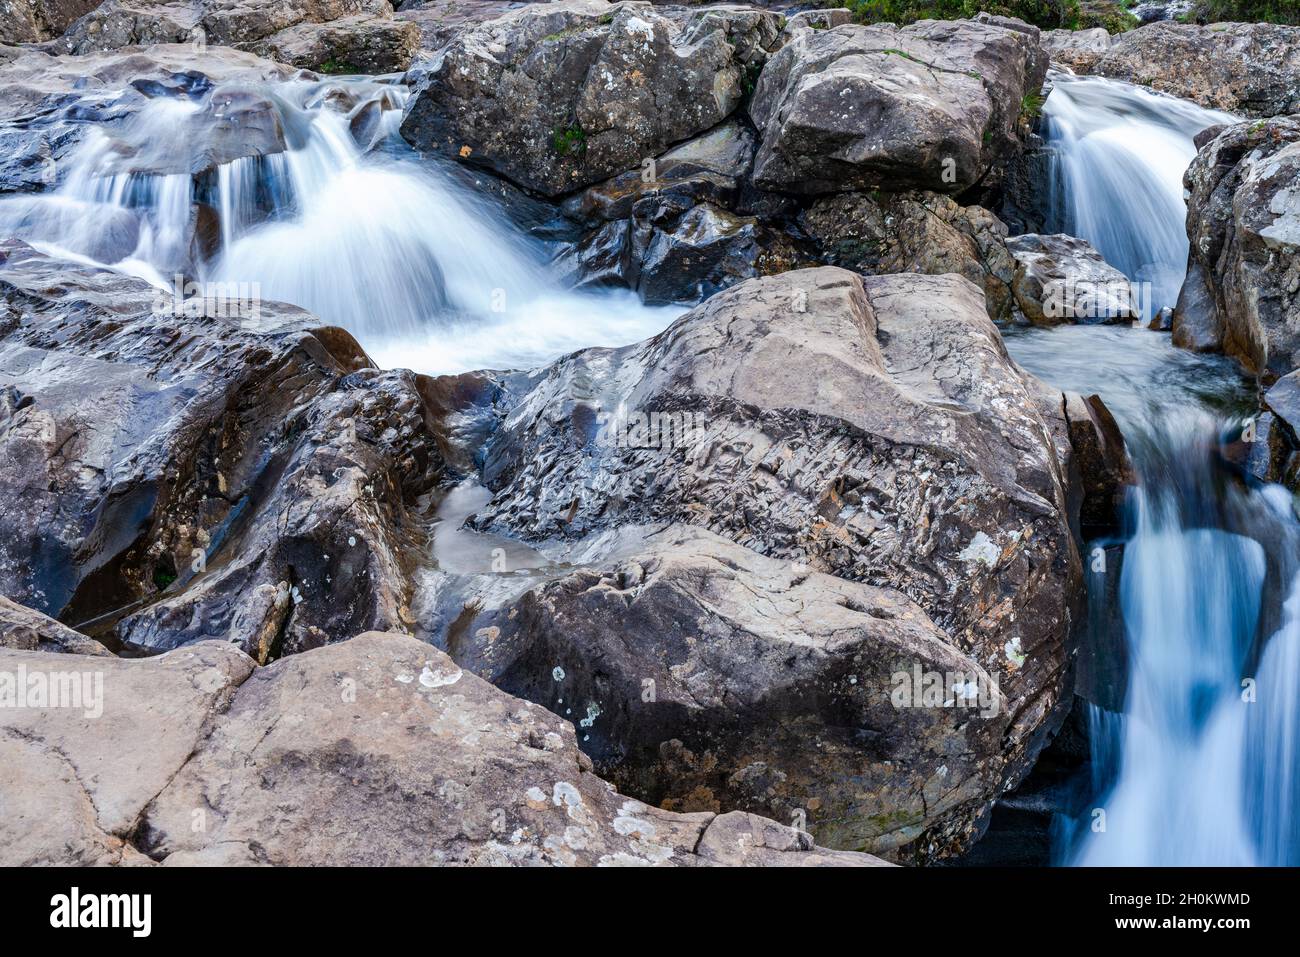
[
  {"x": 1245, "y": 11},
  {"x": 1048, "y": 14},
  {"x": 569, "y": 141},
  {"x": 333, "y": 67},
  {"x": 1031, "y": 105}
]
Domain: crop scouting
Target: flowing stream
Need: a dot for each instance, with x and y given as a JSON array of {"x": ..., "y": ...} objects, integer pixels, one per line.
[
  {"x": 427, "y": 273},
  {"x": 1199, "y": 768},
  {"x": 430, "y": 274}
]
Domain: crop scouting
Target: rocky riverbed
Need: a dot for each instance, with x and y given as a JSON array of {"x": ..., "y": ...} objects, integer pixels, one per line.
[{"x": 653, "y": 602}]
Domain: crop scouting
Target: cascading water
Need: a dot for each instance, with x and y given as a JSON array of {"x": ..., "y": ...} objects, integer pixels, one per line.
[
  {"x": 1117, "y": 154},
  {"x": 1200, "y": 768},
  {"x": 426, "y": 273}
]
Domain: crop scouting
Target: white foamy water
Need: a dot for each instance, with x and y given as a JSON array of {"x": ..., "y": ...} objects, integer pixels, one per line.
[
  {"x": 424, "y": 272},
  {"x": 1117, "y": 157}
]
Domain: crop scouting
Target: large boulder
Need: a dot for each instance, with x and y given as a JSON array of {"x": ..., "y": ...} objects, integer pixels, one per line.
[
  {"x": 31, "y": 21},
  {"x": 935, "y": 105},
  {"x": 1249, "y": 68},
  {"x": 558, "y": 96},
  {"x": 704, "y": 676},
  {"x": 378, "y": 750},
  {"x": 915, "y": 231},
  {"x": 359, "y": 44},
  {"x": 85, "y": 760},
  {"x": 873, "y": 430},
  {"x": 1243, "y": 221},
  {"x": 115, "y": 24},
  {"x": 1063, "y": 279},
  {"x": 238, "y": 471}
]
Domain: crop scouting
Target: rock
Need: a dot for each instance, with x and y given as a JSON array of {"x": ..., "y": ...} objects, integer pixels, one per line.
[
  {"x": 48, "y": 103},
  {"x": 1248, "y": 68},
  {"x": 31, "y": 21},
  {"x": 440, "y": 20},
  {"x": 559, "y": 96},
  {"x": 872, "y": 429},
  {"x": 1103, "y": 462},
  {"x": 378, "y": 750},
  {"x": 82, "y": 776},
  {"x": 935, "y": 105},
  {"x": 1078, "y": 50},
  {"x": 239, "y": 23},
  {"x": 1243, "y": 221},
  {"x": 1195, "y": 320},
  {"x": 24, "y": 629},
  {"x": 879, "y": 233},
  {"x": 1278, "y": 433},
  {"x": 360, "y": 44},
  {"x": 707, "y": 250},
  {"x": 1061, "y": 279},
  {"x": 241, "y": 474},
  {"x": 704, "y": 676}
]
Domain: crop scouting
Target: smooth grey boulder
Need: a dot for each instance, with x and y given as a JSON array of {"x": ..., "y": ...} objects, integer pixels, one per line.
[
  {"x": 1062, "y": 279},
  {"x": 558, "y": 96},
  {"x": 935, "y": 105},
  {"x": 872, "y": 429},
  {"x": 1243, "y": 222},
  {"x": 382, "y": 751},
  {"x": 78, "y": 778},
  {"x": 703, "y": 676}
]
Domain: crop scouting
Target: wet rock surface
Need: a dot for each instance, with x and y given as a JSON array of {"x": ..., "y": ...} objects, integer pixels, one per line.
[
  {"x": 48, "y": 104},
  {"x": 168, "y": 480},
  {"x": 1060, "y": 279}
]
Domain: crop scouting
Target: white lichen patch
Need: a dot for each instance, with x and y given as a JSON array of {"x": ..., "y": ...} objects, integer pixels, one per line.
[
  {"x": 981, "y": 549},
  {"x": 1014, "y": 655},
  {"x": 432, "y": 677}
]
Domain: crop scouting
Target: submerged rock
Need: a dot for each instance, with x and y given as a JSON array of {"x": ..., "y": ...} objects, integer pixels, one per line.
[
  {"x": 1242, "y": 291},
  {"x": 1063, "y": 279},
  {"x": 935, "y": 105},
  {"x": 558, "y": 96},
  {"x": 869, "y": 429},
  {"x": 376, "y": 751}
]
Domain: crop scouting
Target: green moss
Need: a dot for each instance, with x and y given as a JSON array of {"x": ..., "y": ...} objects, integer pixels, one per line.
[
  {"x": 572, "y": 140},
  {"x": 333, "y": 67}
]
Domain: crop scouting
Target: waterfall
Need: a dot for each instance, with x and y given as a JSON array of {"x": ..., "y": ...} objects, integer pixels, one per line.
[
  {"x": 1116, "y": 156},
  {"x": 1200, "y": 767},
  {"x": 346, "y": 222}
]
